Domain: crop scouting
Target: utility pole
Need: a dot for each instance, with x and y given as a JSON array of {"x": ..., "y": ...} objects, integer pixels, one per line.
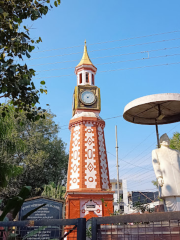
[{"x": 117, "y": 169}]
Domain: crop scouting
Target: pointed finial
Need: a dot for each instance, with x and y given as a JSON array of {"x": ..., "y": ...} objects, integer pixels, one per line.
[{"x": 85, "y": 58}]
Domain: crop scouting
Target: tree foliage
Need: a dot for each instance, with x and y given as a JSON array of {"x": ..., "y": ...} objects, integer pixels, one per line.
[
  {"x": 35, "y": 149},
  {"x": 155, "y": 183},
  {"x": 142, "y": 207},
  {"x": 7, "y": 148},
  {"x": 54, "y": 191},
  {"x": 14, "y": 204},
  {"x": 175, "y": 141},
  {"x": 15, "y": 43}
]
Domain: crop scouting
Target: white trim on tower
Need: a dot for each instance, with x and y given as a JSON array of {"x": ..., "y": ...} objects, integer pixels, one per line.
[
  {"x": 90, "y": 172},
  {"x": 103, "y": 159},
  {"x": 75, "y": 159}
]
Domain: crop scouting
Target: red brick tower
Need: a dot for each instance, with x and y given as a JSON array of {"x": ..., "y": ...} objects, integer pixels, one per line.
[{"x": 88, "y": 193}]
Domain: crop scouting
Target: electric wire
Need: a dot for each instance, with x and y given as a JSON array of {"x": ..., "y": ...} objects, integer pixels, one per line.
[
  {"x": 136, "y": 175},
  {"x": 138, "y": 161},
  {"x": 138, "y": 145},
  {"x": 113, "y": 172},
  {"x": 132, "y": 151},
  {"x": 143, "y": 190},
  {"x": 166, "y": 64},
  {"x": 141, "y": 183},
  {"x": 153, "y": 144},
  {"x": 133, "y": 158},
  {"x": 143, "y": 156},
  {"x": 119, "y": 69},
  {"x": 118, "y": 40},
  {"x": 139, "y": 178},
  {"x": 139, "y": 155},
  {"x": 103, "y": 119},
  {"x": 105, "y": 49},
  {"x": 157, "y": 65},
  {"x": 128, "y": 162},
  {"x": 132, "y": 186},
  {"x": 130, "y": 169},
  {"x": 149, "y": 167},
  {"x": 129, "y": 60},
  {"x": 117, "y": 55},
  {"x": 122, "y": 69},
  {"x": 143, "y": 161},
  {"x": 140, "y": 172},
  {"x": 151, "y": 175}
]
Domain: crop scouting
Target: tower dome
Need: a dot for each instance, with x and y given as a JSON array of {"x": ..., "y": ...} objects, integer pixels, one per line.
[{"x": 85, "y": 70}]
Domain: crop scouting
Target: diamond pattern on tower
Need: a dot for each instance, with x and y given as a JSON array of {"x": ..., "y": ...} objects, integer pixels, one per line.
[
  {"x": 90, "y": 161},
  {"x": 75, "y": 168},
  {"x": 89, "y": 141},
  {"x": 103, "y": 159},
  {"x": 90, "y": 167},
  {"x": 75, "y": 159}
]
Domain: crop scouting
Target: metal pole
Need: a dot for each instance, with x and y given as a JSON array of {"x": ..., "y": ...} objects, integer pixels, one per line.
[
  {"x": 117, "y": 169},
  {"x": 81, "y": 229},
  {"x": 94, "y": 228},
  {"x": 157, "y": 134}
]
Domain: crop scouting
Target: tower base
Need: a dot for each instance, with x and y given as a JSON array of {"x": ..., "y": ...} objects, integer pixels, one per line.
[{"x": 88, "y": 204}]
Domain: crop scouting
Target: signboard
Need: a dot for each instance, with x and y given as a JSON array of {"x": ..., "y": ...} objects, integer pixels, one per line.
[
  {"x": 52, "y": 210},
  {"x": 90, "y": 206},
  {"x": 144, "y": 197}
]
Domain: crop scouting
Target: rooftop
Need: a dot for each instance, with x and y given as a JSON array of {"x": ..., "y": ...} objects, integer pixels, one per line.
[{"x": 115, "y": 180}]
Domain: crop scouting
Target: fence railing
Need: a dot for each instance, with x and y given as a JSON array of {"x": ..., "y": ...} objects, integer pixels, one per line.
[
  {"x": 152, "y": 226},
  {"x": 43, "y": 229}
]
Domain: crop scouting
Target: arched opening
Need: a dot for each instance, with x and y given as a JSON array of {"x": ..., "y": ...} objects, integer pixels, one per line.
[
  {"x": 92, "y": 79},
  {"x": 80, "y": 78},
  {"x": 87, "y": 77}
]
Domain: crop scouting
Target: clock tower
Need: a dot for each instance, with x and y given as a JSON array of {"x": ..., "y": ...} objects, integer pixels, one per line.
[{"x": 88, "y": 191}]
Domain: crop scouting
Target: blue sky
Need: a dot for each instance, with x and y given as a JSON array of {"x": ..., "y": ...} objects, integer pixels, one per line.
[{"x": 112, "y": 28}]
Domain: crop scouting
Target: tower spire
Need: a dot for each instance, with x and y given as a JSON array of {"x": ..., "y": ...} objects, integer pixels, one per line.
[
  {"x": 85, "y": 58},
  {"x": 85, "y": 70}
]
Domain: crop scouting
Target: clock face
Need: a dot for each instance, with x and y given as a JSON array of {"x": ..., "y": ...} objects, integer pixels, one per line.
[{"x": 88, "y": 97}]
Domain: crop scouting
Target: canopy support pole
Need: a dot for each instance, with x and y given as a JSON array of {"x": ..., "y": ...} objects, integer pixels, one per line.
[{"x": 157, "y": 134}]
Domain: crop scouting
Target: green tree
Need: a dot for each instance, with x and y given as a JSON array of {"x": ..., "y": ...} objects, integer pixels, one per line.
[
  {"x": 142, "y": 207},
  {"x": 15, "y": 43},
  {"x": 175, "y": 141},
  {"x": 7, "y": 148},
  {"x": 54, "y": 191},
  {"x": 36, "y": 150},
  {"x": 155, "y": 183}
]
